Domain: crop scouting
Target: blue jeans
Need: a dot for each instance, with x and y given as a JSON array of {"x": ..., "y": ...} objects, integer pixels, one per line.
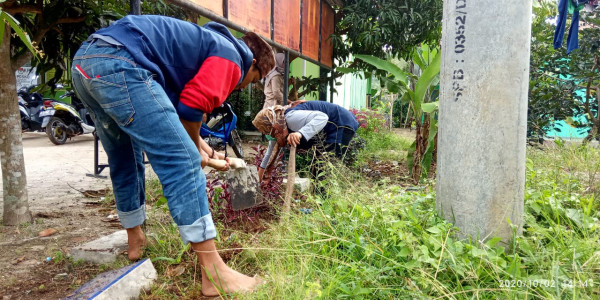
[{"x": 132, "y": 114}]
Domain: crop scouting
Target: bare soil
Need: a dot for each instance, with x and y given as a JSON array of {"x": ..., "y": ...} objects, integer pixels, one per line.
[{"x": 62, "y": 197}]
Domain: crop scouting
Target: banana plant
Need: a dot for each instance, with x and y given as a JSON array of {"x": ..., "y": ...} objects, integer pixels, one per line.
[{"x": 419, "y": 96}]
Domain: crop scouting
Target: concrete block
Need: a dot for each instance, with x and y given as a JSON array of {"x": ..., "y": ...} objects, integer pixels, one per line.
[
  {"x": 300, "y": 184},
  {"x": 103, "y": 250},
  {"x": 124, "y": 283},
  {"x": 244, "y": 187}
]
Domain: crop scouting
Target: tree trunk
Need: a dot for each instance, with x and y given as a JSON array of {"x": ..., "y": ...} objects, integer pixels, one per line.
[
  {"x": 594, "y": 120},
  {"x": 416, "y": 167},
  {"x": 593, "y": 134},
  {"x": 408, "y": 110},
  {"x": 421, "y": 140},
  {"x": 16, "y": 207}
]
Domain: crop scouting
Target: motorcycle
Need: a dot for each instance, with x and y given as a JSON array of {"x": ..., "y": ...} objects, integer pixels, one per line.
[
  {"x": 34, "y": 115},
  {"x": 68, "y": 120},
  {"x": 219, "y": 129}
]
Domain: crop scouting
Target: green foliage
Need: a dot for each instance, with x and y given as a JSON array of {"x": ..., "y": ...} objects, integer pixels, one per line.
[
  {"x": 382, "y": 242},
  {"x": 421, "y": 153},
  {"x": 14, "y": 25},
  {"x": 369, "y": 121},
  {"x": 558, "y": 81},
  {"x": 385, "y": 65},
  {"x": 386, "y": 27},
  {"x": 381, "y": 28},
  {"x": 383, "y": 145}
]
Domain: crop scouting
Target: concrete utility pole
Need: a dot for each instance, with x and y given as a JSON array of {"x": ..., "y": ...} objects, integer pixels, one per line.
[{"x": 483, "y": 116}]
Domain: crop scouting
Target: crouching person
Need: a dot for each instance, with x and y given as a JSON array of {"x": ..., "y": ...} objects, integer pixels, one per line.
[{"x": 302, "y": 124}]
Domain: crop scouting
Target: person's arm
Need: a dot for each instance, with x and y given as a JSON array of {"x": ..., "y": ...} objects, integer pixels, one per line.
[
  {"x": 212, "y": 84},
  {"x": 193, "y": 130},
  {"x": 305, "y": 123},
  {"x": 215, "y": 79},
  {"x": 265, "y": 160}
]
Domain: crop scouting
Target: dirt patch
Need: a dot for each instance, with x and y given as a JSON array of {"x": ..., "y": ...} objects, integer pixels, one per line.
[
  {"x": 60, "y": 194},
  {"x": 63, "y": 197},
  {"x": 394, "y": 171}
]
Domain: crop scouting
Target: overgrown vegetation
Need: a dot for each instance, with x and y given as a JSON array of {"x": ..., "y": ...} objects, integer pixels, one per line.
[
  {"x": 377, "y": 240},
  {"x": 379, "y": 143}
]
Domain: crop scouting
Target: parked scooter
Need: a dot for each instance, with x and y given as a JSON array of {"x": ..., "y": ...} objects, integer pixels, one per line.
[
  {"x": 34, "y": 115},
  {"x": 219, "y": 130},
  {"x": 68, "y": 120}
]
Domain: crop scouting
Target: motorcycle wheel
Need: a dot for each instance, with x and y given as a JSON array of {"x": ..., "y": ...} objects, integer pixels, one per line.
[
  {"x": 235, "y": 142},
  {"x": 56, "y": 131}
]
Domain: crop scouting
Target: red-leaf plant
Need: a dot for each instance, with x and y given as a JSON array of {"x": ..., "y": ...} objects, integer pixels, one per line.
[{"x": 219, "y": 194}]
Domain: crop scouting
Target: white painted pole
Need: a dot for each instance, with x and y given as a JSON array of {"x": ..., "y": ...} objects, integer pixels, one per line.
[{"x": 483, "y": 116}]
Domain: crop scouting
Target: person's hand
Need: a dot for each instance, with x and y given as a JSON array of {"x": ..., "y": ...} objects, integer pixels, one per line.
[
  {"x": 261, "y": 176},
  {"x": 219, "y": 164},
  {"x": 294, "y": 138},
  {"x": 220, "y": 156},
  {"x": 204, "y": 157},
  {"x": 261, "y": 173}
]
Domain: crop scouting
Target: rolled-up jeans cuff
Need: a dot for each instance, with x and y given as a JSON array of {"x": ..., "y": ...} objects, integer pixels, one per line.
[
  {"x": 201, "y": 230},
  {"x": 133, "y": 218}
]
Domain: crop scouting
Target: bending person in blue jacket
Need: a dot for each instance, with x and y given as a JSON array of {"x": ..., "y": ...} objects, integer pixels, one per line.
[
  {"x": 300, "y": 124},
  {"x": 148, "y": 81}
]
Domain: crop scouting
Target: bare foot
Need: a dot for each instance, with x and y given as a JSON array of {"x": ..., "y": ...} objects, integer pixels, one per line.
[
  {"x": 217, "y": 277},
  {"x": 227, "y": 281},
  {"x": 136, "y": 239}
]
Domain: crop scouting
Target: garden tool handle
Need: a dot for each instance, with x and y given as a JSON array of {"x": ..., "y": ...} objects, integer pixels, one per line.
[{"x": 290, "y": 180}]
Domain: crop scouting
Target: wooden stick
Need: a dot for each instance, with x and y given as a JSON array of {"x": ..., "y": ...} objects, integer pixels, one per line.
[{"x": 289, "y": 190}]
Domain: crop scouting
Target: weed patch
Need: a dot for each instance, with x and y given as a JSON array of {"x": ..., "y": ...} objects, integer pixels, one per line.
[{"x": 375, "y": 239}]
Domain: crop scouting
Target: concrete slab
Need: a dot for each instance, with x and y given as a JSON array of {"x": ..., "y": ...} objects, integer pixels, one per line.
[
  {"x": 252, "y": 135},
  {"x": 300, "y": 184},
  {"x": 103, "y": 250},
  {"x": 124, "y": 283},
  {"x": 244, "y": 187}
]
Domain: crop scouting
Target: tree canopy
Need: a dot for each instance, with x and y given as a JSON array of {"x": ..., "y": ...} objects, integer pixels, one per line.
[
  {"x": 386, "y": 27},
  {"x": 59, "y": 27},
  {"x": 563, "y": 86}
]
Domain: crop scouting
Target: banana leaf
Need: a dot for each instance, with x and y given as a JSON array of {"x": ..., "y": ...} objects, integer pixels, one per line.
[
  {"x": 14, "y": 24},
  {"x": 385, "y": 66},
  {"x": 430, "y": 73}
]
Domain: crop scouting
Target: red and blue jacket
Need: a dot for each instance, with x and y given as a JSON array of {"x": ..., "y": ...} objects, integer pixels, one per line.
[{"x": 198, "y": 66}]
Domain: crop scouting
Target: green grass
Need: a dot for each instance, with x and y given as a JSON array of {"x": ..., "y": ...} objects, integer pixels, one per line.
[
  {"x": 368, "y": 240},
  {"x": 383, "y": 145}
]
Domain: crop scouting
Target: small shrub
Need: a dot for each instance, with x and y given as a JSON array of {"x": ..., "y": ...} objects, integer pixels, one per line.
[{"x": 369, "y": 121}]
